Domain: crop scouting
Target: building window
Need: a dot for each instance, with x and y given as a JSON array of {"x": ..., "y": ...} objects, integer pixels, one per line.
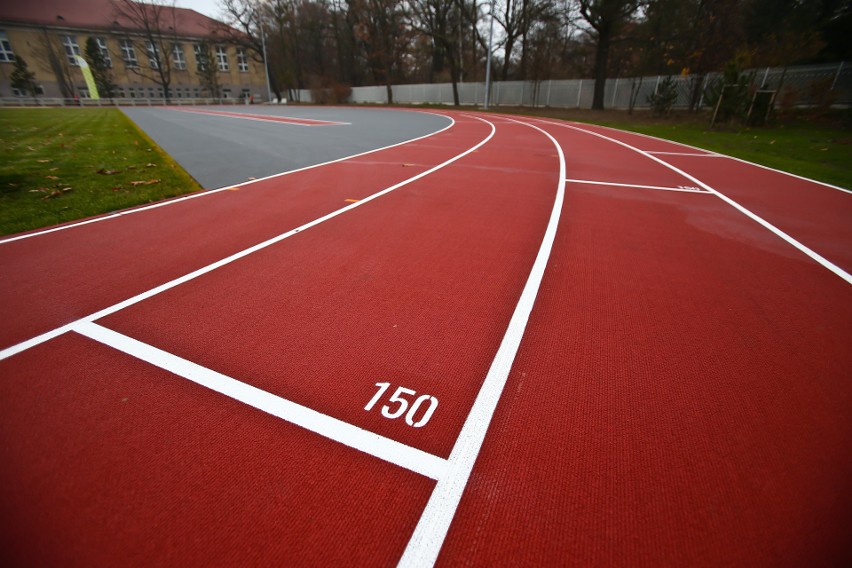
[
  {"x": 242, "y": 60},
  {"x": 222, "y": 58},
  {"x": 200, "y": 57},
  {"x": 6, "y": 53},
  {"x": 153, "y": 56},
  {"x": 179, "y": 58},
  {"x": 102, "y": 46},
  {"x": 132, "y": 92},
  {"x": 72, "y": 48},
  {"x": 226, "y": 93},
  {"x": 128, "y": 53}
]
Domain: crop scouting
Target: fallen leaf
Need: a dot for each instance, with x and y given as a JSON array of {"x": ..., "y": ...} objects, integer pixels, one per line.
[
  {"x": 31, "y": 149},
  {"x": 57, "y": 192},
  {"x": 43, "y": 161},
  {"x": 52, "y": 169},
  {"x": 106, "y": 172},
  {"x": 150, "y": 165},
  {"x": 50, "y": 177},
  {"x": 140, "y": 182}
]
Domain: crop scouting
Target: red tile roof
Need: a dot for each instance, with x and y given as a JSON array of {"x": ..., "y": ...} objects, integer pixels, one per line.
[{"x": 94, "y": 14}]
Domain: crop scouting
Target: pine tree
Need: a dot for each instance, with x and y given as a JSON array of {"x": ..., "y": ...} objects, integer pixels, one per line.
[
  {"x": 100, "y": 69},
  {"x": 22, "y": 78}
]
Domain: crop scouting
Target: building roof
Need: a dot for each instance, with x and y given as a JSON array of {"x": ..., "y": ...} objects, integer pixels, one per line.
[{"x": 96, "y": 14}]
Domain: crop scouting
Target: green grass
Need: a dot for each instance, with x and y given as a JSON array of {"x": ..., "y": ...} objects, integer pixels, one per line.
[
  {"x": 817, "y": 145},
  {"x": 59, "y": 165},
  {"x": 811, "y": 150}
]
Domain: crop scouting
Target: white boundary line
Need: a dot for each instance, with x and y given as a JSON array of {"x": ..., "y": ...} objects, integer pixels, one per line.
[
  {"x": 204, "y": 193},
  {"x": 272, "y": 118},
  {"x": 431, "y": 530},
  {"x": 23, "y": 346},
  {"x": 809, "y": 252},
  {"x": 383, "y": 448},
  {"x": 803, "y": 178},
  {"x": 683, "y": 189},
  {"x": 692, "y": 154}
]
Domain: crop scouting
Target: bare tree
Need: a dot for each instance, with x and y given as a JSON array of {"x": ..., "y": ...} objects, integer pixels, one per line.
[
  {"x": 243, "y": 26},
  {"x": 153, "y": 26},
  {"x": 606, "y": 18},
  {"x": 381, "y": 30},
  {"x": 50, "y": 53},
  {"x": 441, "y": 21}
]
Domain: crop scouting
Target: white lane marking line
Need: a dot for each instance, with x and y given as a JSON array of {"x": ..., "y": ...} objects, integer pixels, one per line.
[
  {"x": 837, "y": 187},
  {"x": 684, "y": 188},
  {"x": 9, "y": 351},
  {"x": 288, "y": 120},
  {"x": 694, "y": 154},
  {"x": 431, "y": 530},
  {"x": 204, "y": 193},
  {"x": 368, "y": 442},
  {"x": 766, "y": 224}
]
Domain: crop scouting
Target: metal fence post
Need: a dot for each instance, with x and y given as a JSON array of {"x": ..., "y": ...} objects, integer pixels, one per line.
[
  {"x": 837, "y": 75},
  {"x": 579, "y": 92}
]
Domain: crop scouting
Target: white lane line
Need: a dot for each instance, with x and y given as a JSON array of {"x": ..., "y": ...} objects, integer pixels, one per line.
[
  {"x": 431, "y": 530},
  {"x": 14, "y": 349},
  {"x": 766, "y": 224},
  {"x": 828, "y": 185},
  {"x": 383, "y": 448},
  {"x": 204, "y": 193},
  {"x": 684, "y": 188},
  {"x": 694, "y": 154}
]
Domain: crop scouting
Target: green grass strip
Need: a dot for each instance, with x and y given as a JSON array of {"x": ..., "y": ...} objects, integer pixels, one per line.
[
  {"x": 63, "y": 164},
  {"x": 817, "y": 146}
]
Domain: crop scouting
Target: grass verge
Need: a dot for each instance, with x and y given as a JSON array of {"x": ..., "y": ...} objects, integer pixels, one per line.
[
  {"x": 62, "y": 164},
  {"x": 814, "y": 145}
]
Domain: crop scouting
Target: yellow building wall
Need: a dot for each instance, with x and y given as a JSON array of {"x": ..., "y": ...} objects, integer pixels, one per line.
[{"x": 32, "y": 44}]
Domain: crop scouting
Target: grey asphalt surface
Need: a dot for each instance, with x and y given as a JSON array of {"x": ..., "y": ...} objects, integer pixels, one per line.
[{"x": 220, "y": 150}]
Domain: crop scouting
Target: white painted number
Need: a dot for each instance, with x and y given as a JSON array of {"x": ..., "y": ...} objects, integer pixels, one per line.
[
  {"x": 433, "y": 404},
  {"x": 398, "y": 404},
  {"x": 375, "y": 399}
]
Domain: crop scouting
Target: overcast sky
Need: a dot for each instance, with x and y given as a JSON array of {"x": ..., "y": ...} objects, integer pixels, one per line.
[{"x": 206, "y": 7}]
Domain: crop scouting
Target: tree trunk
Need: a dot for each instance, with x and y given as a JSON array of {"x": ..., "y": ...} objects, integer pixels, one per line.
[
  {"x": 454, "y": 76},
  {"x": 601, "y": 60}
]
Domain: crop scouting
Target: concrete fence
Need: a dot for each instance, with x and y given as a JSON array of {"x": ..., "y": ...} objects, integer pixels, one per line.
[{"x": 802, "y": 86}]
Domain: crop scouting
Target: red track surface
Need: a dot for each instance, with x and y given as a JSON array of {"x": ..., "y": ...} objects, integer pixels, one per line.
[{"x": 680, "y": 393}]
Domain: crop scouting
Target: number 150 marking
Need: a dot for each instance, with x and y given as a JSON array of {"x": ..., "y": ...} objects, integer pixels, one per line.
[{"x": 397, "y": 398}]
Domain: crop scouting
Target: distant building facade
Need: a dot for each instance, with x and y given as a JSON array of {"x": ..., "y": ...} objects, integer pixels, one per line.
[{"x": 203, "y": 59}]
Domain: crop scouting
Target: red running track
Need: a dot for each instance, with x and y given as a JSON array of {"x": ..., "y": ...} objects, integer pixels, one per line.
[{"x": 680, "y": 393}]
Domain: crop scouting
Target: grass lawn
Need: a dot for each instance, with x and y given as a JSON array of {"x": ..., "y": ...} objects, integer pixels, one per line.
[
  {"x": 816, "y": 145},
  {"x": 62, "y": 164}
]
